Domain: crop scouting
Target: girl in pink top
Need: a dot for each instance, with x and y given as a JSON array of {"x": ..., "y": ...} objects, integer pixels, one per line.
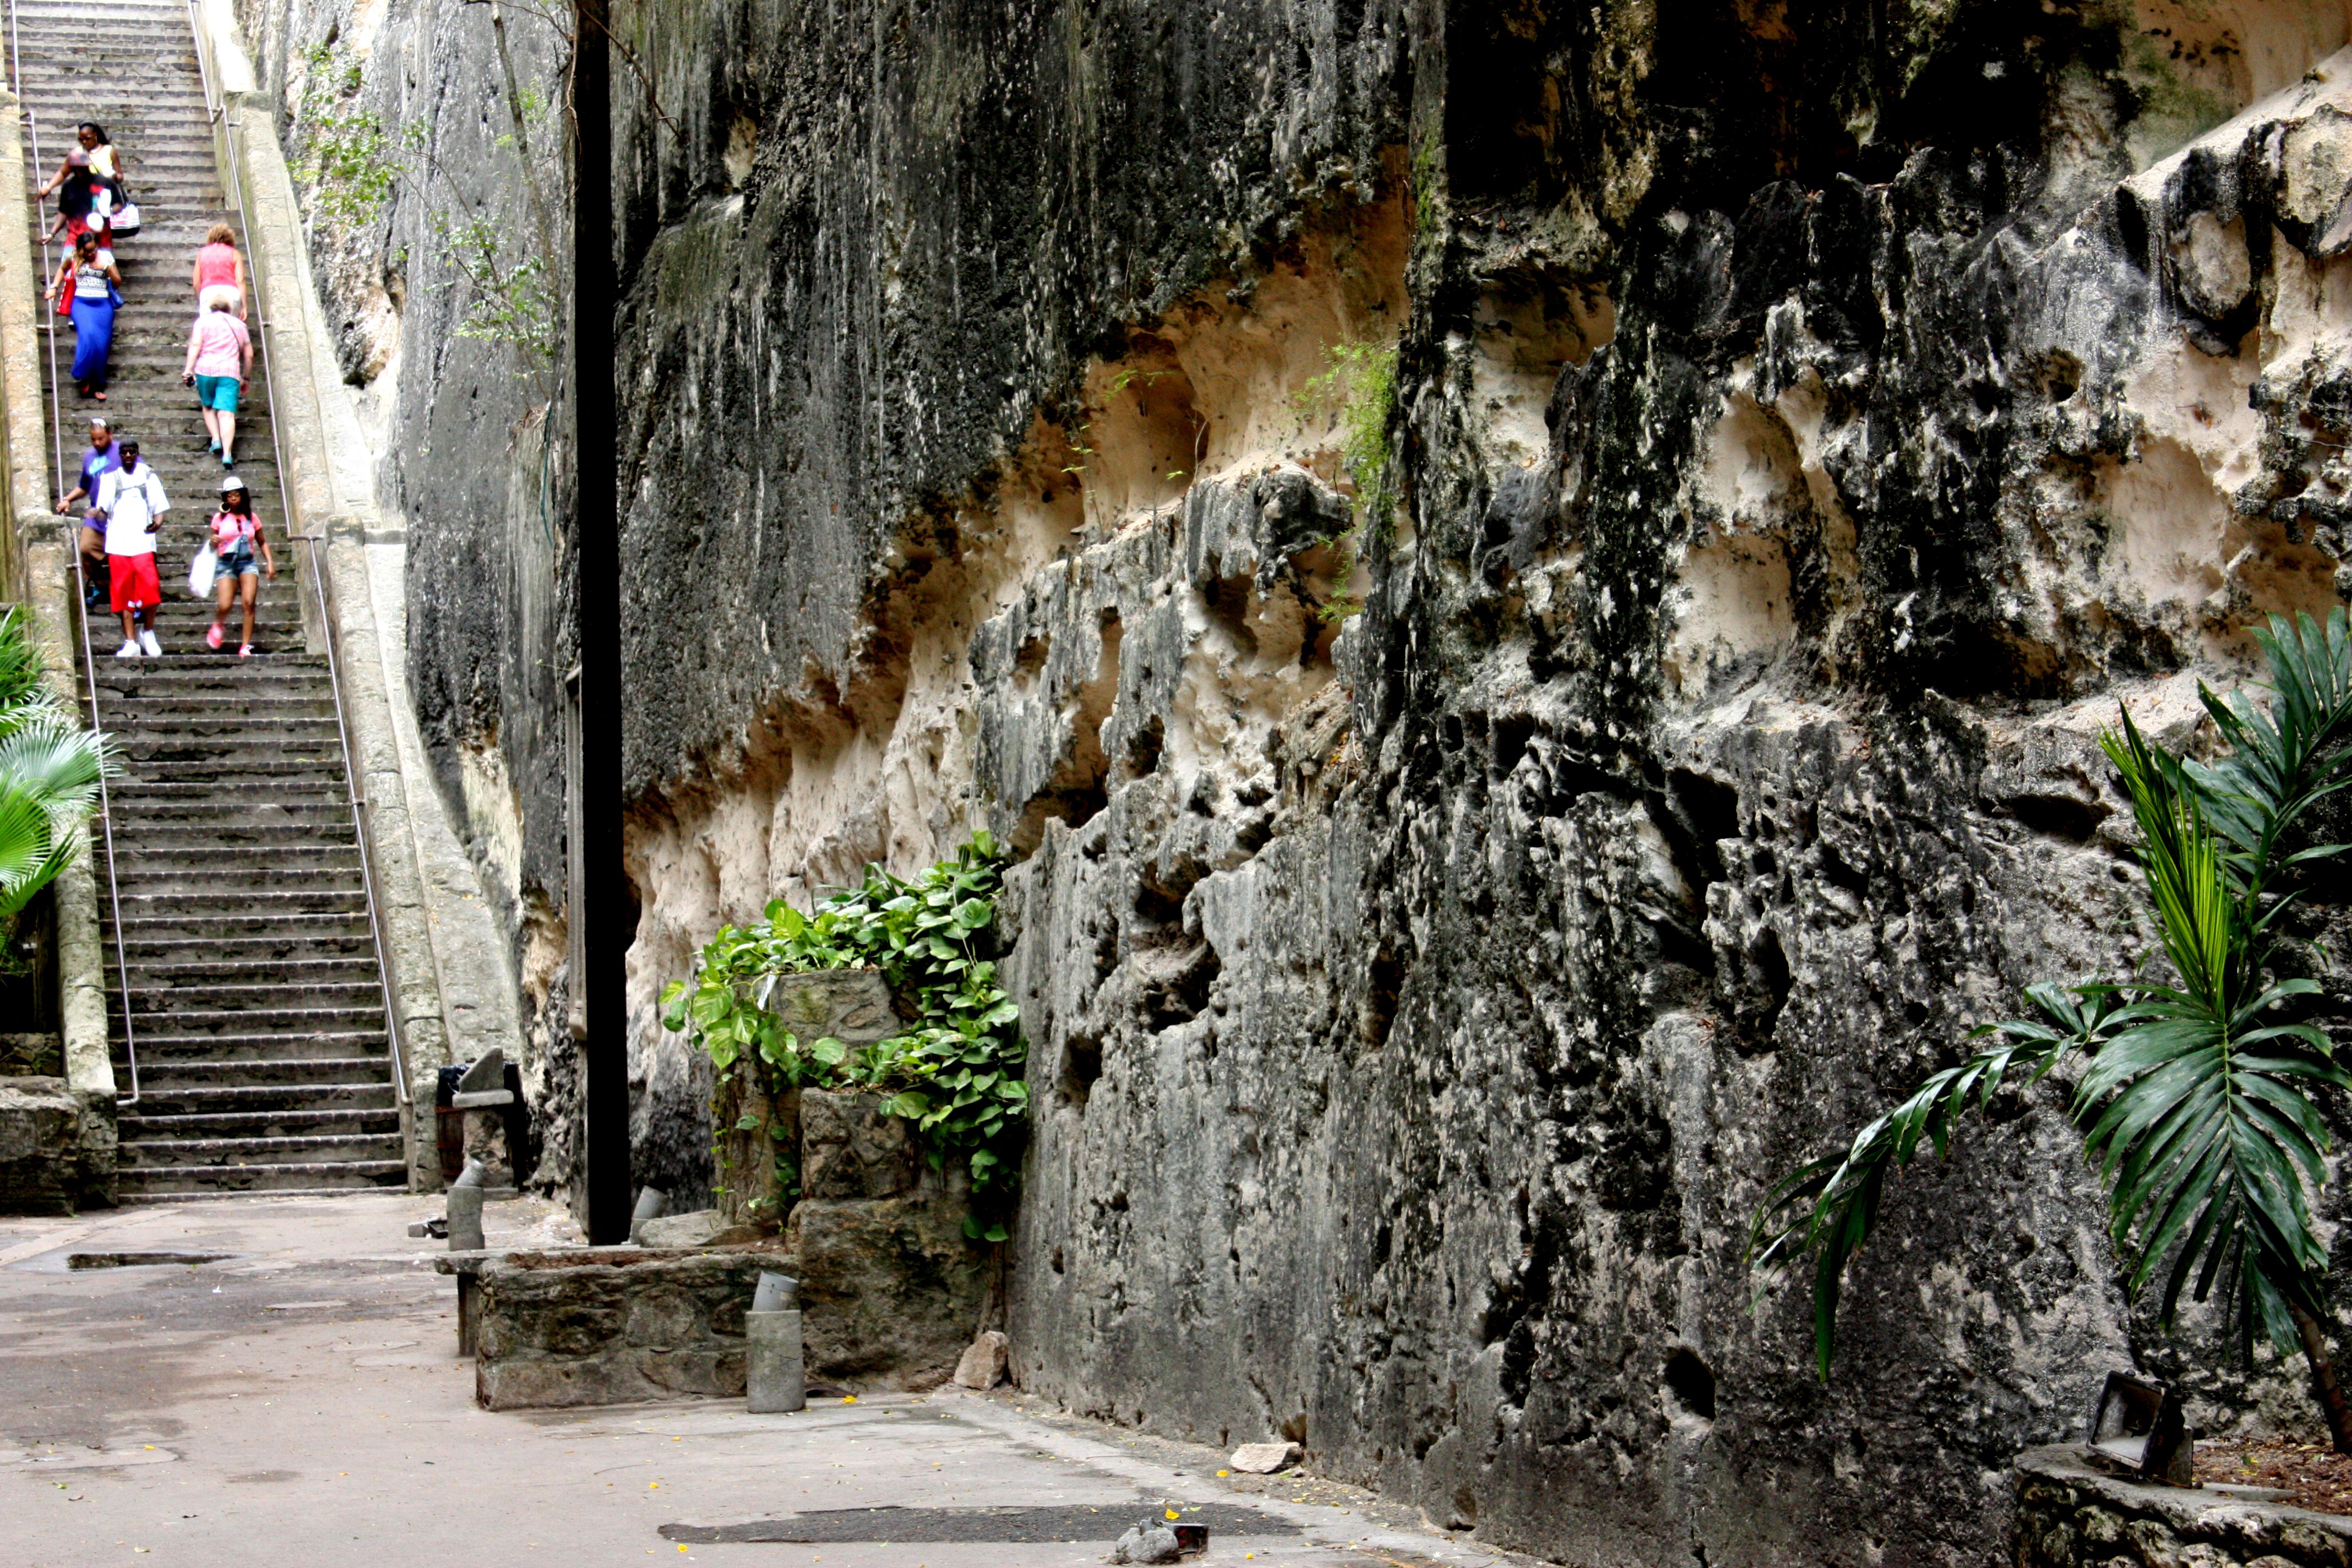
[
  {"x": 220, "y": 352},
  {"x": 220, "y": 271},
  {"x": 235, "y": 536}
]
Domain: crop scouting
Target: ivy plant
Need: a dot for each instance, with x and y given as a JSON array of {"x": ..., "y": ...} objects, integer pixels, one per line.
[{"x": 955, "y": 1073}]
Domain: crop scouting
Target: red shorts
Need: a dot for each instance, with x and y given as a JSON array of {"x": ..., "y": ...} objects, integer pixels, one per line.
[{"x": 135, "y": 584}]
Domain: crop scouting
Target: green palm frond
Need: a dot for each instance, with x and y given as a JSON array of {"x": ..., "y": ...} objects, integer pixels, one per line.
[
  {"x": 21, "y": 676},
  {"x": 1832, "y": 1206},
  {"x": 2198, "y": 1103},
  {"x": 51, "y": 759},
  {"x": 33, "y": 850},
  {"x": 2286, "y": 755},
  {"x": 50, "y": 769}
]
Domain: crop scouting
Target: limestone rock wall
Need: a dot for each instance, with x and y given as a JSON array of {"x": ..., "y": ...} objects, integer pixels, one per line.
[{"x": 1810, "y": 423}]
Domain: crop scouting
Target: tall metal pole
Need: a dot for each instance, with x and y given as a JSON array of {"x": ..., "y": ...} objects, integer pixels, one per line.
[{"x": 603, "y": 883}]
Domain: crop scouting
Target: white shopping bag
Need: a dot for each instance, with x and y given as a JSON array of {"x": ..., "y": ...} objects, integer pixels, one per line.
[{"x": 201, "y": 572}]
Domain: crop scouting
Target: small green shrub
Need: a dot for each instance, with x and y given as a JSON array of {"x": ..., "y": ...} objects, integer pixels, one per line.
[
  {"x": 1360, "y": 385},
  {"x": 955, "y": 1073},
  {"x": 50, "y": 773},
  {"x": 347, "y": 157},
  {"x": 351, "y": 166}
]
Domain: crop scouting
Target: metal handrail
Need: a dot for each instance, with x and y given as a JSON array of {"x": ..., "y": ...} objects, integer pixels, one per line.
[
  {"x": 224, "y": 152},
  {"x": 81, "y": 587}
]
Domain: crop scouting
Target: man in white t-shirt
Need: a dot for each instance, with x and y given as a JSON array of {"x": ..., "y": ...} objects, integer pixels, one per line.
[{"x": 132, "y": 504}]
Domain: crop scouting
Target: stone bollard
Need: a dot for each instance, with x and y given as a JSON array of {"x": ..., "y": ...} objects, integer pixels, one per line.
[
  {"x": 772, "y": 1379},
  {"x": 465, "y": 1214},
  {"x": 465, "y": 1210},
  {"x": 651, "y": 1204}
]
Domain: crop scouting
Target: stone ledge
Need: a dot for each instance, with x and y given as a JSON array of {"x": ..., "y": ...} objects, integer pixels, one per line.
[
  {"x": 2071, "y": 1516},
  {"x": 57, "y": 1147}
]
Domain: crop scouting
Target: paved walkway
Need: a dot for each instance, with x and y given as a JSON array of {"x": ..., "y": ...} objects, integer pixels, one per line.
[{"x": 300, "y": 1404}]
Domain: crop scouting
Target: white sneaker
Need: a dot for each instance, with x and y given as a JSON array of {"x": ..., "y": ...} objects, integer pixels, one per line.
[
  {"x": 127, "y": 650},
  {"x": 147, "y": 640}
]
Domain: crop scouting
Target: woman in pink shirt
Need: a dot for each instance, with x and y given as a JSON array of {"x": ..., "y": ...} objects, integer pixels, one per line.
[
  {"x": 220, "y": 352},
  {"x": 220, "y": 271}
]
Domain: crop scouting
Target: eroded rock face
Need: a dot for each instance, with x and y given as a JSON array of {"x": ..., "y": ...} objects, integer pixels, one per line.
[{"x": 1808, "y": 427}]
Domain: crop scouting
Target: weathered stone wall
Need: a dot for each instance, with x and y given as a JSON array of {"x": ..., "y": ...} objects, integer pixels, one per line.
[
  {"x": 554, "y": 1331},
  {"x": 1811, "y": 421},
  {"x": 2071, "y": 1516},
  {"x": 469, "y": 433},
  {"x": 57, "y": 1147}
]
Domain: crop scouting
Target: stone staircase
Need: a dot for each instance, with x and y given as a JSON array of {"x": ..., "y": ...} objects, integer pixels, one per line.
[{"x": 255, "y": 996}]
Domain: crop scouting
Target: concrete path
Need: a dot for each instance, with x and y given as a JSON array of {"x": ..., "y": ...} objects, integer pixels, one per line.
[{"x": 298, "y": 1403}]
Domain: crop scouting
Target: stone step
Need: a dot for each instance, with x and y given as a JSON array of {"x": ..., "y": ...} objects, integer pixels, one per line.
[
  {"x": 249, "y": 1003},
  {"x": 199, "y": 1195},
  {"x": 207, "y": 757},
  {"x": 356, "y": 969},
  {"x": 211, "y": 1181},
  {"x": 374, "y": 1098},
  {"x": 280, "y": 784},
  {"x": 205, "y": 1030},
  {"x": 243, "y": 773},
  {"x": 131, "y": 833},
  {"x": 307, "y": 1122},
  {"x": 302, "y": 1134},
  {"x": 180, "y": 625},
  {"x": 258, "y": 805},
  {"x": 213, "y": 925},
  {"x": 296, "y": 901},
  {"x": 230, "y": 867},
  {"x": 177, "y": 641},
  {"x": 285, "y": 1046},
  {"x": 210, "y": 888},
  {"x": 210, "y": 710},
  {"x": 306, "y": 801},
  {"x": 313, "y": 1148},
  {"x": 284, "y": 801},
  {"x": 174, "y": 1074},
  {"x": 153, "y": 680},
  {"x": 254, "y": 955}
]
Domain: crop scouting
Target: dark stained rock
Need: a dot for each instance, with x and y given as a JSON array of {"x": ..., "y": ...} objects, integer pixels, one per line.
[
  {"x": 890, "y": 1289},
  {"x": 849, "y": 1149}
]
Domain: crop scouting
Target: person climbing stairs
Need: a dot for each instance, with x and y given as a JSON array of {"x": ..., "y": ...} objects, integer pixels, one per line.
[{"x": 255, "y": 1001}]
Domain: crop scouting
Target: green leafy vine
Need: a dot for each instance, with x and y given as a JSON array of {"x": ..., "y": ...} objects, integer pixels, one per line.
[{"x": 954, "y": 1074}]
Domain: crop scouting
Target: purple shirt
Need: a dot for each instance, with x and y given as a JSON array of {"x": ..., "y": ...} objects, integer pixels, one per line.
[{"x": 95, "y": 465}]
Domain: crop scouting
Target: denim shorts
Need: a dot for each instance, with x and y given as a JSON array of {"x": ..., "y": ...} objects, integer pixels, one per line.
[
  {"x": 217, "y": 392},
  {"x": 238, "y": 563}
]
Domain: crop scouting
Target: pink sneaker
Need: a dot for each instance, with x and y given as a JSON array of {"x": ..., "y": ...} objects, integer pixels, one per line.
[
  {"x": 246, "y": 651},
  {"x": 212, "y": 638}
]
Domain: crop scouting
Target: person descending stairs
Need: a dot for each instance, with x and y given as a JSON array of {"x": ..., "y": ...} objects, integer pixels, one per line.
[{"x": 254, "y": 998}]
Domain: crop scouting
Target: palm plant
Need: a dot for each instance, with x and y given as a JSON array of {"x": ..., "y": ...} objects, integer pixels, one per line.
[
  {"x": 50, "y": 773},
  {"x": 2197, "y": 1100}
]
